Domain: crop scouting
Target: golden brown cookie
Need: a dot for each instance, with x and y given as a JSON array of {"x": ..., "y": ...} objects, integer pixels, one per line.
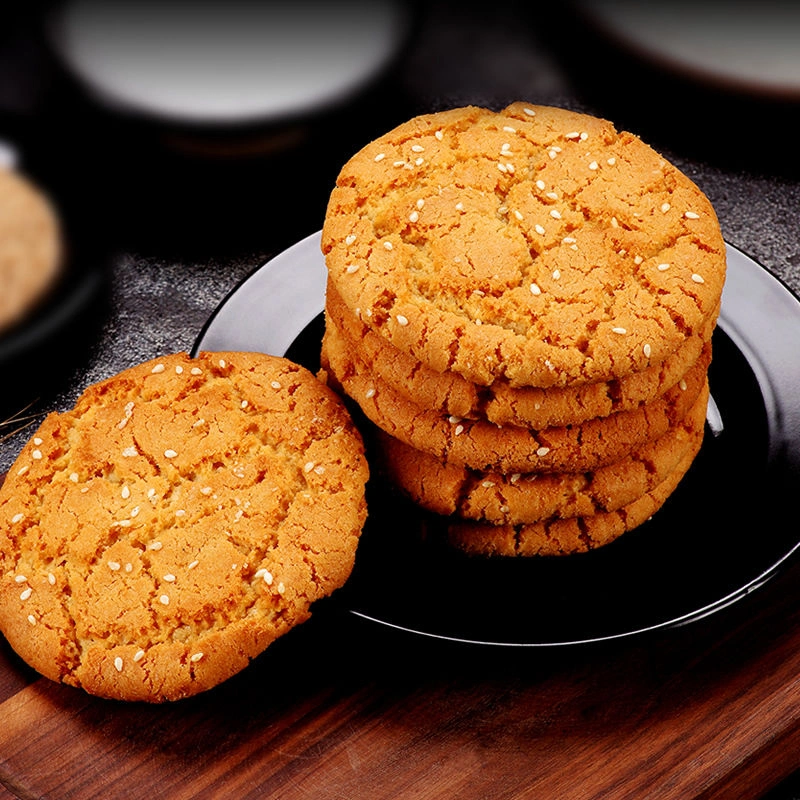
[
  {"x": 536, "y": 245},
  {"x": 558, "y": 537},
  {"x": 30, "y": 247},
  {"x": 481, "y": 445},
  {"x": 524, "y": 406},
  {"x": 182, "y": 516},
  {"x": 448, "y": 489}
]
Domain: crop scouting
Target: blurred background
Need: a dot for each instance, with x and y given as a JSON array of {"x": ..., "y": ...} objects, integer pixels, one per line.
[{"x": 182, "y": 145}]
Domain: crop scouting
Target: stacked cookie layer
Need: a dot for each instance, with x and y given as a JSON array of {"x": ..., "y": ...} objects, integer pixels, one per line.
[{"x": 522, "y": 303}]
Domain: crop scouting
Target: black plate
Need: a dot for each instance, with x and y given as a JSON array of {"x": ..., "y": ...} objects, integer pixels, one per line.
[{"x": 721, "y": 535}]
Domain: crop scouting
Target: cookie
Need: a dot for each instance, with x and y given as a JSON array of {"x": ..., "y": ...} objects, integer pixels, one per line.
[
  {"x": 30, "y": 247},
  {"x": 183, "y": 515},
  {"x": 500, "y": 499},
  {"x": 526, "y": 406},
  {"x": 481, "y": 445},
  {"x": 559, "y": 537},
  {"x": 535, "y": 245}
]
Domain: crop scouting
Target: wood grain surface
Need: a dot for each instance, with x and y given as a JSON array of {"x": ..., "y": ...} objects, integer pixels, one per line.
[{"x": 341, "y": 708}]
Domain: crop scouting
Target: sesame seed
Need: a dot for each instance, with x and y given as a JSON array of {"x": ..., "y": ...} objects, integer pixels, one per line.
[
  {"x": 698, "y": 278},
  {"x": 268, "y": 577},
  {"x": 128, "y": 567},
  {"x": 138, "y": 655},
  {"x": 399, "y": 164},
  {"x": 180, "y": 513},
  {"x": 509, "y": 129},
  {"x": 568, "y": 240},
  {"x": 529, "y": 111},
  {"x": 37, "y": 440},
  {"x": 151, "y": 493},
  {"x": 170, "y": 454},
  {"x": 195, "y": 657},
  {"x": 380, "y": 156},
  {"x": 155, "y": 546},
  {"x": 556, "y": 274},
  {"x": 244, "y": 404},
  {"x": 17, "y": 518},
  {"x": 505, "y": 148},
  {"x": 350, "y": 238},
  {"x": 453, "y": 419},
  {"x": 535, "y": 289},
  {"x": 518, "y": 214},
  {"x": 637, "y": 260},
  {"x": 584, "y": 136},
  {"x": 37, "y": 455},
  {"x": 417, "y": 148},
  {"x": 540, "y": 184},
  {"x": 662, "y": 267},
  {"x": 126, "y": 492},
  {"x": 611, "y": 161},
  {"x": 26, "y": 593},
  {"x": 401, "y": 320},
  {"x": 20, "y": 579},
  {"x": 539, "y": 229},
  {"x": 370, "y": 393},
  {"x": 552, "y": 153},
  {"x": 275, "y": 385},
  {"x": 459, "y": 206},
  {"x": 51, "y": 579},
  {"x": 31, "y": 619},
  {"x": 169, "y": 578},
  {"x": 553, "y": 195},
  {"x": 319, "y": 470},
  {"x": 129, "y": 452},
  {"x": 281, "y": 588},
  {"x": 387, "y": 245},
  {"x": 413, "y": 216},
  {"x": 572, "y": 135},
  {"x": 192, "y": 564},
  {"x": 555, "y": 213},
  {"x": 23, "y": 470},
  {"x": 206, "y": 490},
  {"x": 419, "y": 161},
  {"x": 593, "y": 165},
  {"x": 114, "y": 566},
  {"x": 682, "y": 385},
  {"x": 179, "y": 370},
  {"x": 420, "y": 203},
  {"x": 118, "y": 664},
  {"x": 691, "y": 215},
  {"x": 515, "y": 477},
  {"x": 158, "y": 368},
  {"x": 542, "y": 451},
  {"x": 502, "y": 167},
  {"x": 665, "y": 207},
  {"x": 647, "y": 350},
  {"x": 164, "y": 600},
  {"x": 614, "y": 222},
  {"x": 439, "y": 135},
  {"x": 196, "y": 371},
  {"x": 619, "y": 330}
]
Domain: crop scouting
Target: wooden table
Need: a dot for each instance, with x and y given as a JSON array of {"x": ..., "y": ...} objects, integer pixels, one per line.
[{"x": 342, "y": 708}]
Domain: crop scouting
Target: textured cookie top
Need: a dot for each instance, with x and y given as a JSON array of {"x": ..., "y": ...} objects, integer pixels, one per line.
[
  {"x": 536, "y": 245},
  {"x": 179, "y": 518},
  {"x": 30, "y": 247}
]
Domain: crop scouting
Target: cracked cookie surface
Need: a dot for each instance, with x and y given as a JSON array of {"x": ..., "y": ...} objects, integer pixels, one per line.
[
  {"x": 536, "y": 245},
  {"x": 183, "y": 515}
]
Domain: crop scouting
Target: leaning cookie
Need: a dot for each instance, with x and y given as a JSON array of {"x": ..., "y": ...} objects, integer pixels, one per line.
[
  {"x": 499, "y": 499},
  {"x": 185, "y": 513}
]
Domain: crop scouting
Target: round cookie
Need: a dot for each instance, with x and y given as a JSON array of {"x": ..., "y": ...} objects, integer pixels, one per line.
[
  {"x": 30, "y": 247},
  {"x": 448, "y": 489},
  {"x": 184, "y": 514},
  {"x": 481, "y": 445},
  {"x": 525, "y": 406},
  {"x": 535, "y": 245},
  {"x": 560, "y": 537}
]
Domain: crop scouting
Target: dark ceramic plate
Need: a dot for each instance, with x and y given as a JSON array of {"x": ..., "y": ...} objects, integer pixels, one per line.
[{"x": 720, "y": 536}]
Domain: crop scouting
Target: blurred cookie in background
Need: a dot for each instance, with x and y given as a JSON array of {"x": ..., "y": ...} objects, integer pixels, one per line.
[{"x": 31, "y": 247}]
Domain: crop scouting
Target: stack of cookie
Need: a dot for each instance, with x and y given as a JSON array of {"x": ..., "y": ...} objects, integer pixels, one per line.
[{"x": 522, "y": 304}]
